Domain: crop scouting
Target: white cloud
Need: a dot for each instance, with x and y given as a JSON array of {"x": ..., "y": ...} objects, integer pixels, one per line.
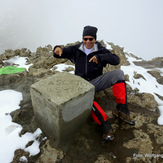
[{"x": 137, "y": 25}]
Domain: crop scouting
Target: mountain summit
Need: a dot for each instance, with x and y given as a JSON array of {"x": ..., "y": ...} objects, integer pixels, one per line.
[{"x": 142, "y": 142}]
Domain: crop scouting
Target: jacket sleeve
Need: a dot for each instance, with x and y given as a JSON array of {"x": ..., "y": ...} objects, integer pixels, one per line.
[
  {"x": 67, "y": 52},
  {"x": 106, "y": 57}
]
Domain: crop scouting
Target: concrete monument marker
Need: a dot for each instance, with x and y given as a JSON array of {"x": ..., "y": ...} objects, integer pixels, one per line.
[{"x": 62, "y": 103}]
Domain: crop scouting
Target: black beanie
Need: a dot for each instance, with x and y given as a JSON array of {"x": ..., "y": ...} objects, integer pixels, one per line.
[{"x": 90, "y": 31}]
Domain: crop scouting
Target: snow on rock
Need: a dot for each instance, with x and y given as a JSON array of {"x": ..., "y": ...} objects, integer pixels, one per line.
[
  {"x": 148, "y": 85},
  {"x": 18, "y": 61},
  {"x": 10, "y": 139}
]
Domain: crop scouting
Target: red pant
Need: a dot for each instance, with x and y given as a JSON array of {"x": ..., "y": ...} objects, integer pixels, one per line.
[{"x": 119, "y": 93}]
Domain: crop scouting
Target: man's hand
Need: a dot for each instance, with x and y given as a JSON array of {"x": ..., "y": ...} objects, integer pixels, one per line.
[
  {"x": 94, "y": 59},
  {"x": 58, "y": 51}
]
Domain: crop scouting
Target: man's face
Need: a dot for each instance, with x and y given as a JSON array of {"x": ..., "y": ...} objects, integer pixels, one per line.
[{"x": 89, "y": 42}]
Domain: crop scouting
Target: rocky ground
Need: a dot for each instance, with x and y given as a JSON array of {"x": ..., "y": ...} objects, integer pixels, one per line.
[{"x": 140, "y": 143}]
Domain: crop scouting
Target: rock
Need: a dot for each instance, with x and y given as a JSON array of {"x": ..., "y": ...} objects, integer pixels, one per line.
[
  {"x": 45, "y": 50},
  {"x": 116, "y": 49},
  {"x": 69, "y": 69},
  {"x": 1, "y": 63},
  {"x": 156, "y": 131},
  {"x": 102, "y": 159},
  {"x": 12, "y": 78},
  {"x": 18, "y": 155},
  {"x": 141, "y": 119},
  {"x": 39, "y": 71},
  {"x": 159, "y": 96},
  {"x": 126, "y": 77},
  {"x": 9, "y": 53},
  {"x": 24, "y": 52},
  {"x": 156, "y": 62},
  {"x": 70, "y": 44},
  {"x": 144, "y": 100},
  {"x": 157, "y": 75},
  {"x": 138, "y": 76},
  {"x": 141, "y": 142},
  {"x": 49, "y": 154}
]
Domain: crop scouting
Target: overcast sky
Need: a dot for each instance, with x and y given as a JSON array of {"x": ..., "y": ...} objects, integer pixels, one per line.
[{"x": 136, "y": 25}]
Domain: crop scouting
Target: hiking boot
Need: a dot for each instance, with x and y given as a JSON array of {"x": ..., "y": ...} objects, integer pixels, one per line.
[
  {"x": 109, "y": 136},
  {"x": 123, "y": 113},
  {"x": 108, "y": 133},
  {"x": 126, "y": 118}
]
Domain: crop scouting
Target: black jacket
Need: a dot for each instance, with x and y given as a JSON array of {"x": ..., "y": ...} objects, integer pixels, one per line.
[{"x": 84, "y": 68}]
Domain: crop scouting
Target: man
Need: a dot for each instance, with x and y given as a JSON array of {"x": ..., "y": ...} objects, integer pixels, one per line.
[{"x": 89, "y": 58}]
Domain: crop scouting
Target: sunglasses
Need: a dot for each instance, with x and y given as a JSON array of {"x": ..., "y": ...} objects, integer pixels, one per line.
[{"x": 90, "y": 39}]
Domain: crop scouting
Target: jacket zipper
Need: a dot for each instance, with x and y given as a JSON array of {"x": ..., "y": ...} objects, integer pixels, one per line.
[{"x": 86, "y": 66}]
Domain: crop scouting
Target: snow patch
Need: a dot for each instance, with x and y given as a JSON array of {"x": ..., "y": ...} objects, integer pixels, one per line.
[{"x": 10, "y": 139}]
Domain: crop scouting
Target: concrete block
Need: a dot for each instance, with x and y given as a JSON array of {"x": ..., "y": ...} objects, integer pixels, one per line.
[{"x": 61, "y": 104}]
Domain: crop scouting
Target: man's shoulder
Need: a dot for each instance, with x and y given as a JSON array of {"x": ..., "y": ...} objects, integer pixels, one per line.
[
  {"x": 99, "y": 45},
  {"x": 78, "y": 44}
]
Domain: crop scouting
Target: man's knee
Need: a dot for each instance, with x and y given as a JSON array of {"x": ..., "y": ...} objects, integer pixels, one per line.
[{"x": 120, "y": 74}]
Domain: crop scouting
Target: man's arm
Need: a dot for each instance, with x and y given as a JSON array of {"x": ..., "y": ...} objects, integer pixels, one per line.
[
  {"x": 106, "y": 57},
  {"x": 59, "y": 52},
  {"x": 94, "y": 59}
]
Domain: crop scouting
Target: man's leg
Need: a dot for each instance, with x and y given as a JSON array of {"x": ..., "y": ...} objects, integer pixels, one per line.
[
  {"x": 107, "y": 80},
  {"x": 102, "y": 82},
  {"x": 100, "y": 117},
  {"x": 120, "y": 94},
  {"x": 116, "y": 79}
]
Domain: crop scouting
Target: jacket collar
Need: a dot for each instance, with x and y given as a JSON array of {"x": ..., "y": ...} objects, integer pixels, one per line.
[{"x": 95, "y": 48}]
